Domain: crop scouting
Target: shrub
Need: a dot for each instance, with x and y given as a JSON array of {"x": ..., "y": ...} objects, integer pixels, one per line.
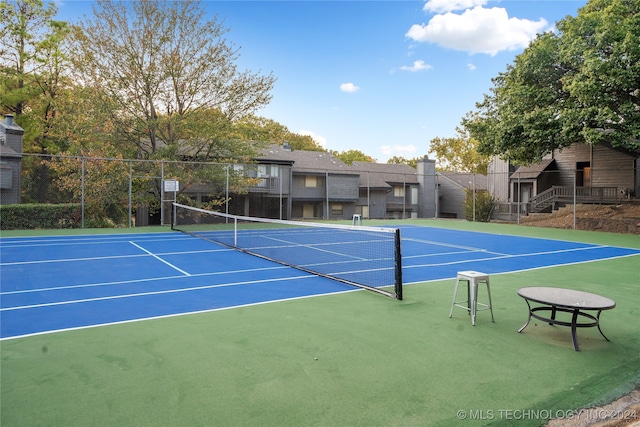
[
  {"x": 40, "y": 216},
  {"x": 484, "y": 205}
]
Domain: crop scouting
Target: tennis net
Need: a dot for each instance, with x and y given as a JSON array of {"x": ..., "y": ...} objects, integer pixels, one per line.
[{"x": 367, "y": 257}]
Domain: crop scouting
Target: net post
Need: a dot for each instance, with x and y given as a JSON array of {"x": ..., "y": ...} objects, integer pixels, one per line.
[
  {"x": 173, "y": 215},
  {"x": 235, "y": 231},
  {"x": 398, "y": 266}
]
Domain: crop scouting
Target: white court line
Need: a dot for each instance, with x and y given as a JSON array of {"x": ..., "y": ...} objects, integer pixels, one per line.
[
  {"x": 449, "y": 245},
  {"x": 438, "y": 254},
  {"x": 310, "y": 246},
  {"x": 542, "y": 267},
  {"x": 128, "y": 282},
  {"x": 160, "y": 259},
  {"x": 510, "y": 256},
  {"x": 166, "y": 316},
  {"x": 46, "y": 261},
  {"x": 10, "y": 242},
  {"x": 142, "y": 294}
]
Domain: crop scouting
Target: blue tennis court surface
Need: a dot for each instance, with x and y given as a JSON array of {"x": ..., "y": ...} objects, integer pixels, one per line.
[{"x": 60, "y": 283}]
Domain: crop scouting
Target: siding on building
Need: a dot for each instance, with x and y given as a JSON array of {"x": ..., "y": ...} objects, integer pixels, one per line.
[
  {"x": 579, "y": 164},
  {"x": 527, "y": 181},
  {"x": 10, "y": 161},
  {"x": 387, "y": 190},
  {"x": 427, "y": 178},
  {"x": 498, "y": 172},
  {"x": 612, "y": 168},
  {"x": 609, "y": 167},
  {"x": 452, "y": 192},
  {"x": 373, "y": 190}
]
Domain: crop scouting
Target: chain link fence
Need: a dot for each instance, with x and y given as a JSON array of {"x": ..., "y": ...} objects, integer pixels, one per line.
[{"x": 114, "y": 192}]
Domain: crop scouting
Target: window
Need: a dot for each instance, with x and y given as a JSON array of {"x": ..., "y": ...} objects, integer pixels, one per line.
[
  {"x": 414, "y": 195},
  {"x": 398, "y": 191},
  {"x": 261, "y": 174},
  {"x": 310, "y": 181},
  {"x": 336, "y": 209}
]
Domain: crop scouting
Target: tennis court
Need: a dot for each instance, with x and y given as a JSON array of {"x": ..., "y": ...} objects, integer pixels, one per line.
[
  {"x": 240, "y": 331},
  {"x": 58, "y": 283}
]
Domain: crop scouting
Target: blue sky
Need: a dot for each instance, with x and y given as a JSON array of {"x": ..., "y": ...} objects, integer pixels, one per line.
[{"x": 382, "y": 77}]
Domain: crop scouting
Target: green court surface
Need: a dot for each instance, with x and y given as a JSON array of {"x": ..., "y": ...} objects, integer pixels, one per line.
[{"x": 349, "y": 359}]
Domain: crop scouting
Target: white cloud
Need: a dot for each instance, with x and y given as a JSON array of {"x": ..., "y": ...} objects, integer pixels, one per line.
[
  {"x": 399, "y": 150},
  {"x": 349, "y": 87},
  {"x": 418, "y": 65},
  {"x": 439, "y": 6},
  {"x": 321, "y": 140},
  {"x": 471, "y": 66},
  {"x": 478, "y": 30}
]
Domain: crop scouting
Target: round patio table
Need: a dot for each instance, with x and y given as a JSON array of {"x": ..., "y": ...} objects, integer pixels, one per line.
[{"x": 577, "y": 303}]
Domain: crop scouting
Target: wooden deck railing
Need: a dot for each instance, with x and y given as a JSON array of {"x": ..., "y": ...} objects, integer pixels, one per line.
[{"x": 558, "y": 196}]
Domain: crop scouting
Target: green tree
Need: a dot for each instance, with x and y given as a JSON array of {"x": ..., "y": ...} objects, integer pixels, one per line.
[
  {"x": 577, "y": 86},
  {"x": 458, "y": 154},
  {"x": 34, "y": 77},
  {"x": 162, "y": 64},
  {"x": 104, "y": 185},
  {"x": 268, "y": 131},
  {"x": 350, "y": 156},
  {"x": 601, "y": 48},
  {"x": 399, "y": 160},
  {"x": 23, "y": 24}
]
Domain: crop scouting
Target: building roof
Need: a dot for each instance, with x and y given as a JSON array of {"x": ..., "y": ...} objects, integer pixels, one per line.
[
  {"x": 9, "y": 126},
  {"x": 307, "y": 161},
  {"x": 532, "y": 171},
  {"x": 466, "y": 180},
  {"x": 6, "y": 151},
  {"x": 379, "y": 175},
  {"x": 372, "y": 175}
]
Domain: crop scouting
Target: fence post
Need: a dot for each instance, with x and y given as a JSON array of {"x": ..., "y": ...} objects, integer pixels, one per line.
[
  {"x": 326, "y": 184},
  {"x": 404, "y": 196},
  {"x": 162, "y": 192},
  {"x": 519, "y": 197},
  {"x": 368, "y": 196},
  {"x": 82, "y": 194},
  {"x": 280, "y": 174},
  {"x": 226, "y": 196},
  {"x": 575, "y": 190},
  {"x": 474, "y": 197},
  {"x": 130, "y": 191}
]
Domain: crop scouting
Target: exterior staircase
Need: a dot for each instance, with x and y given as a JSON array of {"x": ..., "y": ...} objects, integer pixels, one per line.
[{"x": 556, "y": 196}]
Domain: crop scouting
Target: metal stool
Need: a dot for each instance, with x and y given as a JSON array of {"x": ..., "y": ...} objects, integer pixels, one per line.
[{"x": 473, "y": 279}]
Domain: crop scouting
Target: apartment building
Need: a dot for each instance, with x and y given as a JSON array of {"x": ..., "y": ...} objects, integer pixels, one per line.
[{"x": 314, "y": 185}]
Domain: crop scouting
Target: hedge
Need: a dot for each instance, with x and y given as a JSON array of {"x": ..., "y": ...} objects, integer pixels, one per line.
[{"x": 40, "y": 216}]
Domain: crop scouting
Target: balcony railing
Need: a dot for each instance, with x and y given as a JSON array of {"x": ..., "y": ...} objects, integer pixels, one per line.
[{"x": 559, "y": 195}]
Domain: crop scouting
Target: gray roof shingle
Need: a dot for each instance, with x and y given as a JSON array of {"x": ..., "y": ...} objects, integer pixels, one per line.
[
  {"x": 466, "y": 180},
  {"x": 307, "y": 161}
]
